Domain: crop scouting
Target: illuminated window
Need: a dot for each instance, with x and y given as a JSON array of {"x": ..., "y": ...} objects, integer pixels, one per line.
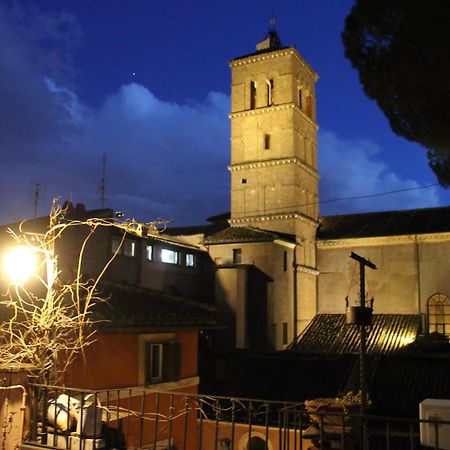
[
  {"x": 150, "y": 252},
  {"x": 439, "y": 314},
  {"x": 162, "y": 361},
  {"x": 169, "y": 256},
  {"x": 269, "y": 92},
  {"x": 125, "y": 248},
  {"x": 252, "y": 95},
  {"x": 237, "y": 255},
  {"x": 190, "y": 260},
  {"x": 266, "y": 141}
]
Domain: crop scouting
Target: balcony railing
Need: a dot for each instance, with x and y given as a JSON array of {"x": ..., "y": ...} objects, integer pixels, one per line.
[{"x": 141, "y": 418}]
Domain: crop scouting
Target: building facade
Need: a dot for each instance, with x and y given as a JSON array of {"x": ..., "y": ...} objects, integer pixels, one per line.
[{"x": 278, "y": 262}]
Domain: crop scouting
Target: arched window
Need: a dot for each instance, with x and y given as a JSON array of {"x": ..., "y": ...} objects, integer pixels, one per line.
[
  {"x": 252, "y": 95},
  {"x": 438, "y": 309},
  {"x": 269, "y": 92}
]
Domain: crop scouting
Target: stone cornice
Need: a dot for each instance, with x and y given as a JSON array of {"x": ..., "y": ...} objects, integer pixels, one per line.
[
  {"x": 270, "y": 217},
  {"x": 282, "y": 107},
  {"x": 272, "y": 163},
  {"x": 275, "y": 54},
  {"x": 384, "y": 240}
]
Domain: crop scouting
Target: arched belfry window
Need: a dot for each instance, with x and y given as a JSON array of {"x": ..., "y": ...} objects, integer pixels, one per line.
[
  {"x": 438, "y": 309},
  {"x": 270, "y": 92},
  {"x": 252, "y": 95}
]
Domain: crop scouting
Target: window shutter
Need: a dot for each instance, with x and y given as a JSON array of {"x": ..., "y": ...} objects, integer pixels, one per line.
[{"x": 172, "y": 360}]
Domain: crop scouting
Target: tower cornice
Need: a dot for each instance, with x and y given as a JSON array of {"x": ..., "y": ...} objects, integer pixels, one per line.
[
  {"x": 272, "y": 163},
  {"x": 283, "y": 107},
  {"x": 270, "y": 217},
  {"x": 256, "y": 57}
]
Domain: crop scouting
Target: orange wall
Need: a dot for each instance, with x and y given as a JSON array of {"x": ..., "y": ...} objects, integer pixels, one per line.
[{"x": 112, "y": 361}]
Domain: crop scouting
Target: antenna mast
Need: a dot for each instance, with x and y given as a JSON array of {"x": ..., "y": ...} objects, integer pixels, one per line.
[
  {"x": 36, "y": 198},
  {"x": 102, "y": 188}
]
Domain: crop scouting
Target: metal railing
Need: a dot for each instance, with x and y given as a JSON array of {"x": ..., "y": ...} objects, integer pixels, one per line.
[{"x": 141, "y": 418}]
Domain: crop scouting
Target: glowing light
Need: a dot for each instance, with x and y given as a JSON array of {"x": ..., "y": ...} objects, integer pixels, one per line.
[{"x": 20, "y": 264}]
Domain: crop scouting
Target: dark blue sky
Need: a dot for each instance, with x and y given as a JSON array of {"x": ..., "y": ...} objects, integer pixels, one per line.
[{"x": 147, "y": 84}]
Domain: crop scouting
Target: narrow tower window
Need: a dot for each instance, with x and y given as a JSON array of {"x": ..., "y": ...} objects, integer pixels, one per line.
[
  {"x": 252, "y": 95},
  {"x": 308, "y": 106},
  {"x": 300, "y": 99},
  {"x": 285, "y": 262},
  {"x": 269, "y": 92},
  {"x": 285, "y": 333},
  {"x": 266, "y": 141}
]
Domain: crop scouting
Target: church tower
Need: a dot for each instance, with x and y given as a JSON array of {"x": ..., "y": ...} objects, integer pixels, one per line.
[{"x": 274, "y": 179}]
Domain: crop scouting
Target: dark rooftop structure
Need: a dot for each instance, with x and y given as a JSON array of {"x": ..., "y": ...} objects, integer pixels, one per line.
[
  {"x": 385, "y": 223},
  {"x": 245, "y": 234},
  {"x": 133, "y": 309}
]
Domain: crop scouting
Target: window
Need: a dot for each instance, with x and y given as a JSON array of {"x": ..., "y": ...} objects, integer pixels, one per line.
[
  {"x": 439, "y": 314},
  {"x": 169, "y": 256},
  {"x": 252, "y": 95},
  {"x": 269, "y": 92},
  {"x": 125, "y": 248},
  {"x": 308, "y": 106},
  {"x": 150, "y": 252},
  {"x": 300, "y": 99},
  {"x": 244, "y": 181},
  {"x": 153, "y": 357},
  {"x": 266, "y": 141},
  {"x": 162, "y": 361},
  {"x": 237, "y": 255},
  {"x": 285, "y": 333},
  {"x": 190, "y": 260}
]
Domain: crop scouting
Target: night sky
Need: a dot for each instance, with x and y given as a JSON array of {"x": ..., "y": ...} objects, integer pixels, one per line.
[{"x": 147, "y": 83}]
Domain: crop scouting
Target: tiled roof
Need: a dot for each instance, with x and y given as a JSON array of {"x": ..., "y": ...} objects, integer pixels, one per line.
[
  {"x": 277, "y": 376},
  {"x": 245, "y": 234},
  {"x": 138, "y": 309},
  {"x": 402, "y": 382},
  {"x": 386, "y": 223},
  {"x": 329, "y": 334}
]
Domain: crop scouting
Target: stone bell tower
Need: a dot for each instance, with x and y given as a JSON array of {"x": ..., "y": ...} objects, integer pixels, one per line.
[{"x": 274, "y": 179}]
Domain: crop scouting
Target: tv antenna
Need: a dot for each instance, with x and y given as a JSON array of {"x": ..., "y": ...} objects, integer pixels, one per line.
[
  {"x": 37, "y": 193},
  {"x": 102, "y": 187}
]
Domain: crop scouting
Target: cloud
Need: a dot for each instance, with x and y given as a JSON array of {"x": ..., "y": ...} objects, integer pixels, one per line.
[
  {"x": 168, "y": 153},
  {"x": 353, "y": 168}
]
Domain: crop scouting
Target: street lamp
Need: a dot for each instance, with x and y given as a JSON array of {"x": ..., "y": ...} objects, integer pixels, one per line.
[{"x": 20, "y": 264}]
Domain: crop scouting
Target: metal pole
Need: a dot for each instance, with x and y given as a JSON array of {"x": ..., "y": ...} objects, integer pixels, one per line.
[
  {"x": 362, "y": 335},
  {"x": 363, "y": 263}
]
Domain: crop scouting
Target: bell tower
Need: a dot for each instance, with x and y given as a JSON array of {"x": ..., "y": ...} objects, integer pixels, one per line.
[{"x": 274, "y": 178}]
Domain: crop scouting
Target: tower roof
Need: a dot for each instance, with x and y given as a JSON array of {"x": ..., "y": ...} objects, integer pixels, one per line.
[{"x": 271, "y": 42}]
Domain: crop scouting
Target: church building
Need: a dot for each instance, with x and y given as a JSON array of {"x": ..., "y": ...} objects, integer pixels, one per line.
[{"x": 279, "y": 264}]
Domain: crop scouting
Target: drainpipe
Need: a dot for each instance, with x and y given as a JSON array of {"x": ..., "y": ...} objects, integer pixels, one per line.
[
  {"x": 419, "y": 294},
  {"x": 294, "y": 266},
  {"x": 22, "y": 411}
]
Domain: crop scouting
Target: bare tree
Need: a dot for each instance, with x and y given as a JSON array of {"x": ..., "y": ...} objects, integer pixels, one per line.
[{"x": 50, "y": 318}]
